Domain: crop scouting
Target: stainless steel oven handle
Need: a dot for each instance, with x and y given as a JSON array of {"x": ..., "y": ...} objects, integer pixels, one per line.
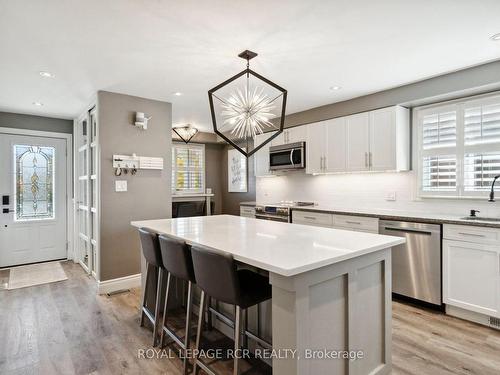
[{"x": 291, "y": 157}]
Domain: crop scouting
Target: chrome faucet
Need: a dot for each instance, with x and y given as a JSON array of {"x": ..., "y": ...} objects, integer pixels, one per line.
[{"x": 492, "y": 192}]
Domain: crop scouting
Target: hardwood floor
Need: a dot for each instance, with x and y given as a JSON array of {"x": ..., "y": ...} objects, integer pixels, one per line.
[{"x": 65, "y": 328}]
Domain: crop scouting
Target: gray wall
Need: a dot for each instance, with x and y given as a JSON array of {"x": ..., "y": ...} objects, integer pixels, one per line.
[
  {"x": 48, "y": 124},
  {"x": 231, "y": 201},
  {"x": 480, "y": 79},
  {"x": 149, "y": 191}
]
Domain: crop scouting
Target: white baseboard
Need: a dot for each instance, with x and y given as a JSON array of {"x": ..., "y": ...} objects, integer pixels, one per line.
[{"x": 121, "y": 283}]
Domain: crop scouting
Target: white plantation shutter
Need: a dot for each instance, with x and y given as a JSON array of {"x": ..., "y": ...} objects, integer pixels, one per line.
[
  {"x": 439, "y": 130},
  {"x": 479, "y": 170},
  {"x": 459, "y": 147},
  {"x": 482, "y": 124},
  {"x": 188, "y": 168},
  {"x": 439, "y": 173}
]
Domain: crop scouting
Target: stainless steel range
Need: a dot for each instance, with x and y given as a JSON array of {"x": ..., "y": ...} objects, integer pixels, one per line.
[{"x": 280, "y": 211}]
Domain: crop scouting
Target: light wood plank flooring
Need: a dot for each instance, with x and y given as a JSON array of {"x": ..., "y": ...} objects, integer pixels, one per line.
[{"x": 65, "y": 328}]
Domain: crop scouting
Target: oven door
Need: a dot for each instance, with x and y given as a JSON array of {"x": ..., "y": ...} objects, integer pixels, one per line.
[{"x": 282, "y": 157}]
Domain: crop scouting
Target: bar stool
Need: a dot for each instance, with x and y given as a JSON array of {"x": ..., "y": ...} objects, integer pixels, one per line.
[
  {"x": 217, "y": 276},
  {"x": 151, "y": 250},
  {"x": 176, "y": 256}
]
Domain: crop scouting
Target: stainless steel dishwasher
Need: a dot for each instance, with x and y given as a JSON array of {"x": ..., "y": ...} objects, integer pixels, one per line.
[{"x": 416, "y": 265}]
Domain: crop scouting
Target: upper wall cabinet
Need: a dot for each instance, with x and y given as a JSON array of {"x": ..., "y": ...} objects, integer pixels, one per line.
[
  {"x": 326, "y": 146},
  {"x": 370, "y": 141},
  {"x": 291, "y": 135}
]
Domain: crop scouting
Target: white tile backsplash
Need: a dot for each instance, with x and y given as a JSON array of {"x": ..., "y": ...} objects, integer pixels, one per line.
[{"x": 365, "y": 191}]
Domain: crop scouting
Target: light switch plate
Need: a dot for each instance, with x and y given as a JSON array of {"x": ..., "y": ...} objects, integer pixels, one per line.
[
  {"x": 390, "y": 196},
  {"x": 120, "y": 185}
]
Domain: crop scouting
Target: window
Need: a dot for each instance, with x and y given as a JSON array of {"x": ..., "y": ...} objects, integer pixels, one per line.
[
  {"x": 188, "y": 168},
  {"x": 34, "y": 171},
  {"x": 458, "y": 147}
]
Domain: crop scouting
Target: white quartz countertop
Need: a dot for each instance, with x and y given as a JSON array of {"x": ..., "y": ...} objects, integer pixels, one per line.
[{"x": 282, "y": 248}]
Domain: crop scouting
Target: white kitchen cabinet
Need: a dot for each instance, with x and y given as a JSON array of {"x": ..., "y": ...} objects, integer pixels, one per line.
[
  {"x": 356, "y": 223},
  {"x": 326, "y": 146},
  {"x": 291, "y": 135},
  {"x": 471, "y": 269},
  {"x": 317, "y": 219},
  {"x": 295, "y": 134},
  {"x": 336, "y": 146},
  {"x": 370, "y": 141},
  {"x": 325, "y": 219},
  {"x": 471, "y": 276},
  {"x": 389, "y": 139},
  {"x": 261, "y": 157},
  {"x": 316, "y": 147},
  {"x": 358, "y": 142}
]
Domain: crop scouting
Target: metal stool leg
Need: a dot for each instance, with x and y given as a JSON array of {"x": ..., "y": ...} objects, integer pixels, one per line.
[
  {"x": 199, "y": 330},
  {"x": 237, "y": 335},
  {"x": 245, "y": 328},
  {"x": 187, "y": 335},
  {"x": 164, "y": 323},
  {"x": 144, "y": 299},
  {"x": 209, "y": 314},
  {"x": 157, "y": 306}
]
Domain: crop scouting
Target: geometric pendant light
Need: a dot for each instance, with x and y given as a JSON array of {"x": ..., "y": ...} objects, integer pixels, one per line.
[
  {"x": 247, "y": 105},
  {"x": 186, "y": 133}
]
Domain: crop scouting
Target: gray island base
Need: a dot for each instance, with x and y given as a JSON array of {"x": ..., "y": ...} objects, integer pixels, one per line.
[{"x": 331, "y": 289}]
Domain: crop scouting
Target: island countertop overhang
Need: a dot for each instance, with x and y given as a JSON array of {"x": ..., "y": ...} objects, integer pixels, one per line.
[{"x": 282, "y": 248}]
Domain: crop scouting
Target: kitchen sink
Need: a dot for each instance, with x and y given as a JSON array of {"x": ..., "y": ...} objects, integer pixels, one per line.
[{"x": 481, "y": 218}]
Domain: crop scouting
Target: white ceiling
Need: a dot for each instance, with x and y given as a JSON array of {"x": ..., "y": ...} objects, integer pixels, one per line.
[{"x": 153, "y": 48}]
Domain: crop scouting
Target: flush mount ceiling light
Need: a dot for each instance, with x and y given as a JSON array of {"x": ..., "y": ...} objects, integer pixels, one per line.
[
  {"x": 177, "y": 93},
  {"x": 245, "y": 105},
  {"x": 47, "y": 74},
  {"x": 186, "y": 133},
  {"x": 38, "y": 104},
  {"x": 335, "y": 88},
  {"x": 495, "y": 37}
]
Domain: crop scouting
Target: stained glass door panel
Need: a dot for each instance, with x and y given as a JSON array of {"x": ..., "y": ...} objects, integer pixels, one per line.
[{"x": 34, "y": 174}]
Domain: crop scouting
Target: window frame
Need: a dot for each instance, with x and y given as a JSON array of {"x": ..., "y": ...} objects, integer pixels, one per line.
[
  {"x": 189, "y": 191},
  {"x": 459, "y": 150}
]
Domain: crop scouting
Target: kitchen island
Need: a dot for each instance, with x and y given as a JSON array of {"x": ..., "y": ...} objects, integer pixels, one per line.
[{"x": 331, "y": 288}]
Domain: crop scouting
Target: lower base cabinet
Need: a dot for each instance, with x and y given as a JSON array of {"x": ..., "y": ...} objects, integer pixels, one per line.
[
  {"x": 346, "y": 222},
  {"x": 471, "y": 272}
]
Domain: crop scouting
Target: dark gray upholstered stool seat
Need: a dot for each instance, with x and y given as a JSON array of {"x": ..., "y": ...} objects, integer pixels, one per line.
[
  {"x": 176, "y": 256},
  {"x": 152, "y": 254},
  {"x": 218, "y": 277}
]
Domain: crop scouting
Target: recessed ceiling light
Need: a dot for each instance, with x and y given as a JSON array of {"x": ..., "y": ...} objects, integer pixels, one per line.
[
  {"x": 38, "y": 104},
  {"x": 335, "y": 88},
  {"x": 47, "y": 74},
  {"x": 495, "y": 37},
  {"x": 177, "y": 93}
]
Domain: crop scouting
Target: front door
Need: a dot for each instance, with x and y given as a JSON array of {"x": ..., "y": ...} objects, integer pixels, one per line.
[{"x": 33, "y": 217}]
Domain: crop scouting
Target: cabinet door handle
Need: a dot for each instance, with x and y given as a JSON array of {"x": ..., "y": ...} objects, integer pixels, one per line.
[
  {"x": 471, "y": 234},
  {"x": 353, "y": 222},
  {"x": 370, "y": 159},
  {"x": 366, "y": 159},
  {"x": 324, "y": 163},
  {"x": 310, "y": 217}
]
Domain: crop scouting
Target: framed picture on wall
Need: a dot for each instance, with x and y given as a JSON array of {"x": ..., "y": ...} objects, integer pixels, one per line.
[{"x": 236, "y": 172}]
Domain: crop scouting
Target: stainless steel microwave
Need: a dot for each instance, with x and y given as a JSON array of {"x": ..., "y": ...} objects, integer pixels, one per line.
[{"x": 288, "y": 156}]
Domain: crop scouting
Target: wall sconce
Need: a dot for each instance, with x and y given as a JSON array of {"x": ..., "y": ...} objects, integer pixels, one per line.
[{"x": 141, "y": 121}]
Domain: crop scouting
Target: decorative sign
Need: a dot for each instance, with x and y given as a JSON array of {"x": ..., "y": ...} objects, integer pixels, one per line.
[{"x": 236, "y": 172}]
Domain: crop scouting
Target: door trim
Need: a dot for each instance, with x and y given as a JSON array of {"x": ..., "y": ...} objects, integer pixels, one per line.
[{"x": 70, "y": 252}]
